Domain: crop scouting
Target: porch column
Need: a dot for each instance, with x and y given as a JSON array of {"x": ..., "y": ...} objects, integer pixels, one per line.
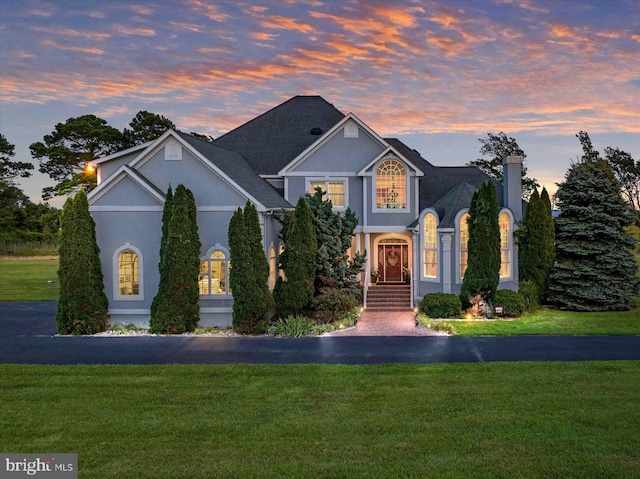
[
  {"x": 367, "y": 268},
  {"x": 447, "y": 239},
  {"x": 416, "y": 266},
  {"x": 358, "y": 250}
]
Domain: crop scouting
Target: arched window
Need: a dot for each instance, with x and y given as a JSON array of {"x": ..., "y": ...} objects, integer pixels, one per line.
[
  {"x": 280, "y": 251},
  {"x": 430, "y": 246},
  {"x": 463, "y": 246},
  {"x": 391, "y": 185},
  {"x": 272, "y": 268},
  {"x": 214, "y": 274},
  {"x": 127, "y": 274},
  {"x": 505, "y": 246}
]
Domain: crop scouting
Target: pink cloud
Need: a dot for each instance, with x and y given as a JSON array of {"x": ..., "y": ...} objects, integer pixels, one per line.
[{"x": 125, "y": 30}]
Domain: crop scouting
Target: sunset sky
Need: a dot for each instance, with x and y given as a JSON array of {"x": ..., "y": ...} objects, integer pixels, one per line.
[{"x": 436, "y": 74}]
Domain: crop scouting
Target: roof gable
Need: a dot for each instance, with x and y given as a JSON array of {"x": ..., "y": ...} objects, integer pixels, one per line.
[
  {"x": 126, "y": 175},
  {"x": 390, "y": 151}
]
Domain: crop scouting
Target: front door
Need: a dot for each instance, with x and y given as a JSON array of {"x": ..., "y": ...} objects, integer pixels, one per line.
[{"x": 392, "y": 258}]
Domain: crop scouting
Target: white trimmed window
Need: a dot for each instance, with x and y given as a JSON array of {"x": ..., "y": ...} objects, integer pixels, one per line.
[
  {"x": 463, "y": 246},
  {"x": 430, "y": 262},
  {"x": 391, "y": 185},
  {"x": 505, "y": 245},
  {"x": 214, "y": 274},
  {"x": 127, "y": 274},
  {"x": 334, "y": 190}
]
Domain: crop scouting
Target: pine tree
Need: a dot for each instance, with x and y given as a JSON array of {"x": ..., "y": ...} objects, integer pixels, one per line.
[
  {"x": 259, "y": 264},
  {"x": 298, "y": 261},
  {"x": 241, "y": 276},
  {"x": 82, "y": 307},
  {"x": 536, "y": 238},
  {"x": 483, "y": 267},
  {"x": 593, "y": 271},
  {"x": 176, "y": 304},
  {"x": 334, "y": 233}
]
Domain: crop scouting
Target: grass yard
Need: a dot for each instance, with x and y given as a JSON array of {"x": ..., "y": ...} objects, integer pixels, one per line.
[
  {"x": 26, "y": 279},
  {"x": 553, "y": 321},
  {"x": 569, "y": 420}
]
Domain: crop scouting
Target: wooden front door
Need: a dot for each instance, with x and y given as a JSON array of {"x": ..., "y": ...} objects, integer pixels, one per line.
[{"x": 392, "y": 258}]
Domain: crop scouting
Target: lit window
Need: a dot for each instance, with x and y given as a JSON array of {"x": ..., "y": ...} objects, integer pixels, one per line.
[
  {"x": 281, "y": 271},
  {"x": 430, "y": 247},
  {"x": 128, "y": 273},
  {"x": 272, "y": 269},
  {"x": 214, "y": 274},
  {"x": 334, "y": 190},
  {"x": 464, "y": 240},
  {"x": 391, "y": 185},
  {"x": 505, "y": 247}
]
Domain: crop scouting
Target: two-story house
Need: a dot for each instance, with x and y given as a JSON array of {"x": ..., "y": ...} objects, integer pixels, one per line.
[{"x": 412, "y": 214}]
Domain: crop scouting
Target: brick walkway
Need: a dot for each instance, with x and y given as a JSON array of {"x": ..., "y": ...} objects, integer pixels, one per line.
[{"x": 401, "y": 323}]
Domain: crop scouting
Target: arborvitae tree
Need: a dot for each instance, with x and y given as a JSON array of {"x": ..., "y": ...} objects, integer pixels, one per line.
[
  {"x": 82, "y": 308},
  {"x": 536, "y": 238},
  {"x": 483, "y": 265},
  {"x": 334, "y": 233},
  {"x": 259, "y": 264},
  {"x": 593, "y": 271},
  {"x": 195, "y": 246},
  {"x": 241, "y": 276},
  {"x": 176, "y": 311},
  {"x": 298, "y": 262},
  {"x": 166, "y": 217}
]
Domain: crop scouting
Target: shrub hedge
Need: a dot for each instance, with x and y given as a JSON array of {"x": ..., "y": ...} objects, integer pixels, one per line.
[
  {"x": 512, "y": 303},
  {"x": 441, "y": 305}
]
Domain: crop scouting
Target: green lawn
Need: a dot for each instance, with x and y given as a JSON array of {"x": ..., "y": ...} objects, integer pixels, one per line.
[
  {"x": 26, "y": 279},
  {"x": 553, "y": 321},
  {"x": 569, "y": 420}
]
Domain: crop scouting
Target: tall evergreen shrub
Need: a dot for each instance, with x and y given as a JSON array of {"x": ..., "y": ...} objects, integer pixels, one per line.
[
  {"x": 298, "y": 261},
  {"x": 483, "y": 267},
  {"x": 241, "y": 276},
  {"x": 536, "y": 238},
  {"x": 593, "y": 271},
  {"x": 166, "y": 217},
  {"x": 83, "y": 305},
  {"x": 177, "y": 307}
]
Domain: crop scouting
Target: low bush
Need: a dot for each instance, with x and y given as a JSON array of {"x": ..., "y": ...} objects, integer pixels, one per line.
[
  {"x": 512, "y": 303},
  {"x": 292, "y": 326},
  {"x": 530, "y": 294},
  {"x": 331, "y": 304},
  {"x": 441, "y": 305}
]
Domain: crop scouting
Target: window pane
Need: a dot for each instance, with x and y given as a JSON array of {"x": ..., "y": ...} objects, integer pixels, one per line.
[
  {"x": 336, "y": 193},
  {"x": 429, "y": 231},
  {"x": 463, "y": 263},
  {"x": 272, "y": 269},
  {"x": 128, "y": 273},
  {"x": 430, "y": 264},
  {"x": 505, "y": 264},
  {"x": 391, "y": 188},
  {"x": 464, "y": 241},
  {"x": 204, "y": 278},
  {"x": 504, "y": 230},
  {"x": 317, "y": 184}
]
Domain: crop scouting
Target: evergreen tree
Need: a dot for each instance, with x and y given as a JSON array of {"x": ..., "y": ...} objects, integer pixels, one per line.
[
  {"x": 483, "y": 266},
  {"x": 298, "y": 261},
  {"x": 177, "y": 306},
  {"x": 259, "y": 264},
  {"x": 242, "y": 277},
  {"x": 536, "y": 238},
  {"x": 334, "y": 233},
  {"x": 166, "y": 216},
  {"x": 145, "y": 126},
  {"x": 593, "y": 271},
  {"x": 83, "y": 305}
]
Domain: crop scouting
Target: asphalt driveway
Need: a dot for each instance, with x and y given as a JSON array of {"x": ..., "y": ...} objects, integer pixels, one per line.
[{"x": 27, "y": 336}]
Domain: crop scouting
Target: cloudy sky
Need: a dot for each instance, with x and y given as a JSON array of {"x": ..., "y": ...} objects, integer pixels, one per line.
[{"x": 436, "y": 74}]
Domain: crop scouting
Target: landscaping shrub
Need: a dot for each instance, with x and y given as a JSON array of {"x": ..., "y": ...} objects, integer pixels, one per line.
[
  {"x": 530, "y": 294},
  {"x": 441, "y": 305},
  {"x": 292, "y": 326},
  {"x": 333, "y": 303},
  {"x": 512, "y": 303}
]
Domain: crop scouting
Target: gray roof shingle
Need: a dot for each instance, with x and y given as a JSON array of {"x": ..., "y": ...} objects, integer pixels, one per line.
[
  {"x": 234, "y": 166},
  {"x": 272, "y": 140}
]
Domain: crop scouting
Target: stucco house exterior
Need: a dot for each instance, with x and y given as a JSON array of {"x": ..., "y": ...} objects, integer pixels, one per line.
[{"x": 411, "y": 213}]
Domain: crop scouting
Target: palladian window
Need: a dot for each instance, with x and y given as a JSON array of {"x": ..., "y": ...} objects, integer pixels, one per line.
[
  {"x": 128, "y": 273},
  {"x": 430, "y": 246},
  {"x": 463, "y": 246},
  {"x": 505, "y": 246},
  {"x": 391, "y": 185},
  {"x": 214, "y": 274}
]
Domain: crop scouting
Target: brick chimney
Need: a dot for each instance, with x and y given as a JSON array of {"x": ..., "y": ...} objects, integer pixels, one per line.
[{"x": 512, "y": 193}]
